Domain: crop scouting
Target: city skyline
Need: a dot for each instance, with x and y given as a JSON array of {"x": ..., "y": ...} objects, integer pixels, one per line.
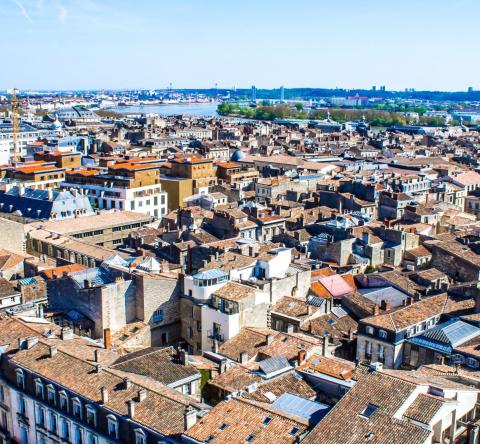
[{"x": 87, "y": 44}]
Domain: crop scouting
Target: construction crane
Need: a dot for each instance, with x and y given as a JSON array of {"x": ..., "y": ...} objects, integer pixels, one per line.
[{"x": 15, "y": 116}]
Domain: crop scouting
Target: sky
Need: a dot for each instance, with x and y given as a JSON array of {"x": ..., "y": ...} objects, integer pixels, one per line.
[{"x": 116, "y": 44}]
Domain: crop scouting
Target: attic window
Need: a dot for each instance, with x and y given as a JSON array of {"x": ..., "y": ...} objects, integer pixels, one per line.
[
  {"x": 223, "y": 426},
  {"x": 294, "y": 431},
  {"x": 369, "y": 410},
  {"x": 267, "y": 420},
  {"x": 250, "y": 438}
]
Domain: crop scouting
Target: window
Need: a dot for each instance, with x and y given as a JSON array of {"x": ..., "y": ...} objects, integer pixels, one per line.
[
  {"x": 267, "y": 420},
  {"x": 77, "y": 408},
  {"x": 369, "y": 410},
  {"x": 91, "y": 416},
  {"x": 40, "y": 417},
  {"x": 22, "y": 409},
  {"x": 53, "y": 422},
  {"x": 250, "y": 438},
  {"x": 92, "y": 439},
  {"x": 382, "y": 334},
  {"x": 20, "y": 379},
  {"x": 2, "y": 393},
  {"x": 294, "y": 431},
  {"x": 63, "y": 401},
  {"x": 223, "y": 426},
  {"x": 158, "y": 315},
  {"x": 370, "y": 330},
  {"x": 65, "y": 430},
  {"x": 381, "y": 352},
  {"x": 112, "y": 426},
  {"x": 24, "y": 435},
  {"x": 78, "y": 435},
  {"x": 140, "y": 437},
  {"x": 368, "y": 349},
  {"x": 473, "y": 363},
  {"x": 51, "y": 394},
  {"x": 39, "y": 388},
  {"x": 132, "y": 205}
]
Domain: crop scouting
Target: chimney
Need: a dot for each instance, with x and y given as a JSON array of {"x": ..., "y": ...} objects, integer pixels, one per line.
[
  {"x": 324, "y": 345},
  {"x": 21, "y": 190},
  {"x": 131, "y": 408},
  {"x": 52, "y": 351},
  {"x": 269, "y": 339},
  {"x": 183, "y": 357},
  {"x": 86, "y": 283},
  {"x": 98, "y": 368},
  {"x": 31, "y": 342},
  {"x": 409, "y": 300},
  {"x": 302, "y": 354},
  {"x": 376, "y": 310},
  {"x": 222, "y": 366},
  {"x": 104, "y": 392},
  {"x": 350, "y": 334},
  {"x": 190, "y": 416},
  {"x": 107, "y": 340},
  {"x": 127, "y": 384},
  {"x": 142, "y": 395},
  {"x": 66, "y": 333},
  {"x": 309, "y": 310},
  {"x": 243, "y": 357},
  {"x": 96, "y": 356}
]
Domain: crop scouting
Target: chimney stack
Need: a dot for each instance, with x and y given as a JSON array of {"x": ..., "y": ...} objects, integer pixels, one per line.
[
  {"x": 131, "y": 408},
  {"x": 142, "y": 395},
  {"x": 104, "y": 392},
  {"x": 98, "y": 368},
  {"x": 66, "y": 333},
  {"x": 243, "y": 357},
  {"x": 127, "y": 384},
  {"x": 222, "y": 366},
  {"x": 376, "y": 310},
  {"x": 183, "y": 357},
  {"x": 269, "y": 339},
  {"x": 324, "y": 345},
  {"x": 52, "y": 351},
  {"x": 96, "y": 356},
  {"x": 107, "y": 340},
  {"x": 302, "y": 354},
  {"x": 190, "y": 416}
]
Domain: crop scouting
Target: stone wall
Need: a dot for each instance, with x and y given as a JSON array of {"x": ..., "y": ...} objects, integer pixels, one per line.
[{"x": 13, "y": 235}]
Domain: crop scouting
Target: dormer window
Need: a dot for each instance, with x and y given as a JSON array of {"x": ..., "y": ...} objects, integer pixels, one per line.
[
  {"x": 140, "y": 437},
  {"x": 63, "y": 401},
  {"x": 51, "y": 394},
  {"x": 112, "y": 426},
  {"x": 20, "y": 379},
  {"x": 370, "y": 330},
  {"x": 91, "y": 416},
  {"x": 382, "y": 334},
  {"x": 39, "y": 388},
  {"x": 77, "y": 408}
]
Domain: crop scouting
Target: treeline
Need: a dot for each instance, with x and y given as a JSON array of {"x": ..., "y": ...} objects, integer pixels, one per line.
[{"x": 373, "y": 117}]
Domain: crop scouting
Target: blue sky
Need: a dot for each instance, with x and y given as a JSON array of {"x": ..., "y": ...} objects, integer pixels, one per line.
[{"x": 68, "y": 44}]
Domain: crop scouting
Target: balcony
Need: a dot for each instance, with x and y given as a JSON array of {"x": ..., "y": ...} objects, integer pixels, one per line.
[{"x": 215, "y": 336}]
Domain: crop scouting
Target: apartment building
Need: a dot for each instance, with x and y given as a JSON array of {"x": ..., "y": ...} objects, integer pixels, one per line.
[
  {"x": 132, "y": 185},
  {"x": 199, "y": 169},
  {"x": 38, "y": 175},
  {"x": 59, "y": 388}
]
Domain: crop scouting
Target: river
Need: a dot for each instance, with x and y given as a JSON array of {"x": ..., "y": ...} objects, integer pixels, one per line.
[{"x": 194, "y": 109}]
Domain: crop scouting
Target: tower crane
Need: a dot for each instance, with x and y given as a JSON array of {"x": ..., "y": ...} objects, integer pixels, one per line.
[{"x": 15, "y": 116}]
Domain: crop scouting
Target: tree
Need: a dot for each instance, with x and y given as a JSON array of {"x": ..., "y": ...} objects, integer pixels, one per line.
[{"x": 299, "y": 106}]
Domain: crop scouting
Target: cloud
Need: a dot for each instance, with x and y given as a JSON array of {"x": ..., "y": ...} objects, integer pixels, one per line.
[
  {"x": 62, "y": 14},
  {"x": 23, "y": 10}
]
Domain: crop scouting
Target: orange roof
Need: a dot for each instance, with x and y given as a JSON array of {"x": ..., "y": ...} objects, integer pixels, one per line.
[
  {"x": 83, "y": 172},
  {"x": 37, "y": 169},
  {"x": 322, "y": 272},
  {"x": 58, "y": 271},
  {"x": 350, "y": 280},
  {"x": 228, "y": 164},
  {"x": 190, "y": 159},
  {"x": 320, "y": 290}
]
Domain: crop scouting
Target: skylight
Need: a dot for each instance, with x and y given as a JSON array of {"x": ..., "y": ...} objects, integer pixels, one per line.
[
  {"x": 369, "y": 410},
  {"x": 267, "y": 420},
  {"x": 250, "y": 438},
  {"x": 294, "y": 431}
]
